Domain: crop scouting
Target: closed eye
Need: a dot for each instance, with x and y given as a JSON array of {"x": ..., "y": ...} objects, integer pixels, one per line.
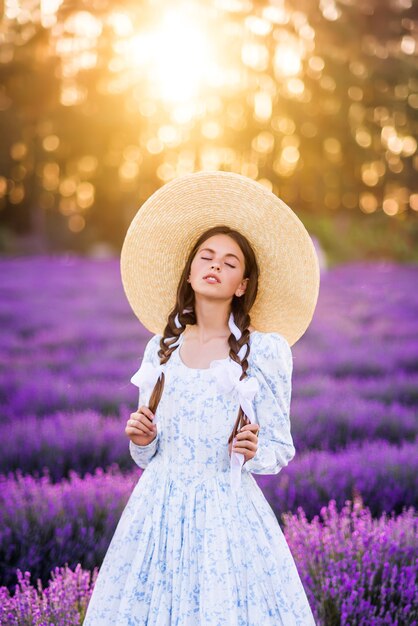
[{"x": 206, "y": 259}]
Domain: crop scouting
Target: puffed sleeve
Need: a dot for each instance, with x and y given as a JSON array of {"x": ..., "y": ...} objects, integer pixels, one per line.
[
  {"x": 272, "y": 365},
  {"x": 142, "y": 455}
]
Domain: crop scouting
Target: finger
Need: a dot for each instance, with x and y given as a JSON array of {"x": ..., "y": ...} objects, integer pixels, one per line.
[
  {"x": 146, "y": 411},
  {"x": 247, "y": 454},
  {"x": 140, "y": 430},
  {"x": 146, "y": 431},
  {"x": 147, "y": 421},
  {"x": 247, "y": 435},
  {"x": 244, "y": 445},
  {"x": 146, "y": 417},
  {"x": 251, "y": 427},
  {"x": 142, "y": 426}
]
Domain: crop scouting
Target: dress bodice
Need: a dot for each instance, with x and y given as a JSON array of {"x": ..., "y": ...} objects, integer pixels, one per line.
[{"x": 196, "y": 413}]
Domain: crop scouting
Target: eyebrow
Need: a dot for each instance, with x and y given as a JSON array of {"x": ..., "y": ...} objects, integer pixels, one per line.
[{"x": 227, "y": 254}]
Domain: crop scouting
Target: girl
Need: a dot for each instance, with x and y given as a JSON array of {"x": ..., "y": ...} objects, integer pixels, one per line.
[{"x": 197, "y": 543}]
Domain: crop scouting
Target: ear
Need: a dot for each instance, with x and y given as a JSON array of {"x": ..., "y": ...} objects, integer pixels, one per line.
[{"x": 241, "y": 289}]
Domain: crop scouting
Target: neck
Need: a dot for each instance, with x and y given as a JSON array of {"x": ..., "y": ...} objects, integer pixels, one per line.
[{"x": 211, "y": 321}]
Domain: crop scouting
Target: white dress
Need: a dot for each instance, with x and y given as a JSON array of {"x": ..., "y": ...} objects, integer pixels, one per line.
[{"x": 188, "y": 550}]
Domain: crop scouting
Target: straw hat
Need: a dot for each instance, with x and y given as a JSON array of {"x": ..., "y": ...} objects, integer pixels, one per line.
[{"x": 164, "y": 229}]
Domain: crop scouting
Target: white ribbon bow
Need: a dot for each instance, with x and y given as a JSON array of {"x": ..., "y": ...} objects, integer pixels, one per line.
[
  {"x": 146, "y": 378},
  {"x": 227, "y": 375}
]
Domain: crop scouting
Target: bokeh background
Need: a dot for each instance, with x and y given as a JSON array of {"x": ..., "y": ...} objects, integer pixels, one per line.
[{"x": 101, "y": 103}]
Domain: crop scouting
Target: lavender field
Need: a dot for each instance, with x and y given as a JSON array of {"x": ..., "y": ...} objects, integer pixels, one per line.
[{"x": 347, "y": 502}]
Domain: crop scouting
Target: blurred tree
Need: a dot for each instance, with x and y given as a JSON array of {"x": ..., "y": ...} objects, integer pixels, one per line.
[{"x": 100, "y": 106}]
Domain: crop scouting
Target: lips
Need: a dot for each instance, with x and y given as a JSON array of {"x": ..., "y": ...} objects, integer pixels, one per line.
[{"x": 211, "y": 276}]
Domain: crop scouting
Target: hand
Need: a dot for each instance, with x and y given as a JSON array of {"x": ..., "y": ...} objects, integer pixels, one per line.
[
  {"x": 246, "y": 441},
  {"x": 139, "y": 427}
]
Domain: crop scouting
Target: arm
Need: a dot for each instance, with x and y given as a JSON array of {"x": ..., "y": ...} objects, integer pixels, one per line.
[
  {"x": 273, "y": 367},
  {"x": 142, "y": 455}
]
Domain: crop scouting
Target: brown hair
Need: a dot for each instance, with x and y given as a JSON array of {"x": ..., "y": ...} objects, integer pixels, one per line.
[{"x": 240, "y": 308}]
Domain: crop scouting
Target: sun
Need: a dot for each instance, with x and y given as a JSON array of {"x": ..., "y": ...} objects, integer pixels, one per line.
[{"x": 176, "y": 56}]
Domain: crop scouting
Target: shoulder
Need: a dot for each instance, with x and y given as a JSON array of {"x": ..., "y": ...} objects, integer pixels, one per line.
[
  {"x": 269, "y": 341},
  {"x": 152, "y": 346},
  {"x": 154, "y": 340},
  {"x": 270, "y": 349}
]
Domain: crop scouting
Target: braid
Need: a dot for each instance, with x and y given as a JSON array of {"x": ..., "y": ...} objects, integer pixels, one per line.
[
  {"x": 176, "y": 325},
  {"x": 239, "y": 342}
]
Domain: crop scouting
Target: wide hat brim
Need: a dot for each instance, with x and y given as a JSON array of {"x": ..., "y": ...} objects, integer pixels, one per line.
[{"x": 163, "y": 231}]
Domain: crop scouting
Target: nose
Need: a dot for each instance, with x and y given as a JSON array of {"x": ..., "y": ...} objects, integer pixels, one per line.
[{"x": 215, "y": 265}]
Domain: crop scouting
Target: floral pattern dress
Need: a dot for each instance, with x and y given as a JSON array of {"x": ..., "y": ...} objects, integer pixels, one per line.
[{"x": 188, "y": 550}]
